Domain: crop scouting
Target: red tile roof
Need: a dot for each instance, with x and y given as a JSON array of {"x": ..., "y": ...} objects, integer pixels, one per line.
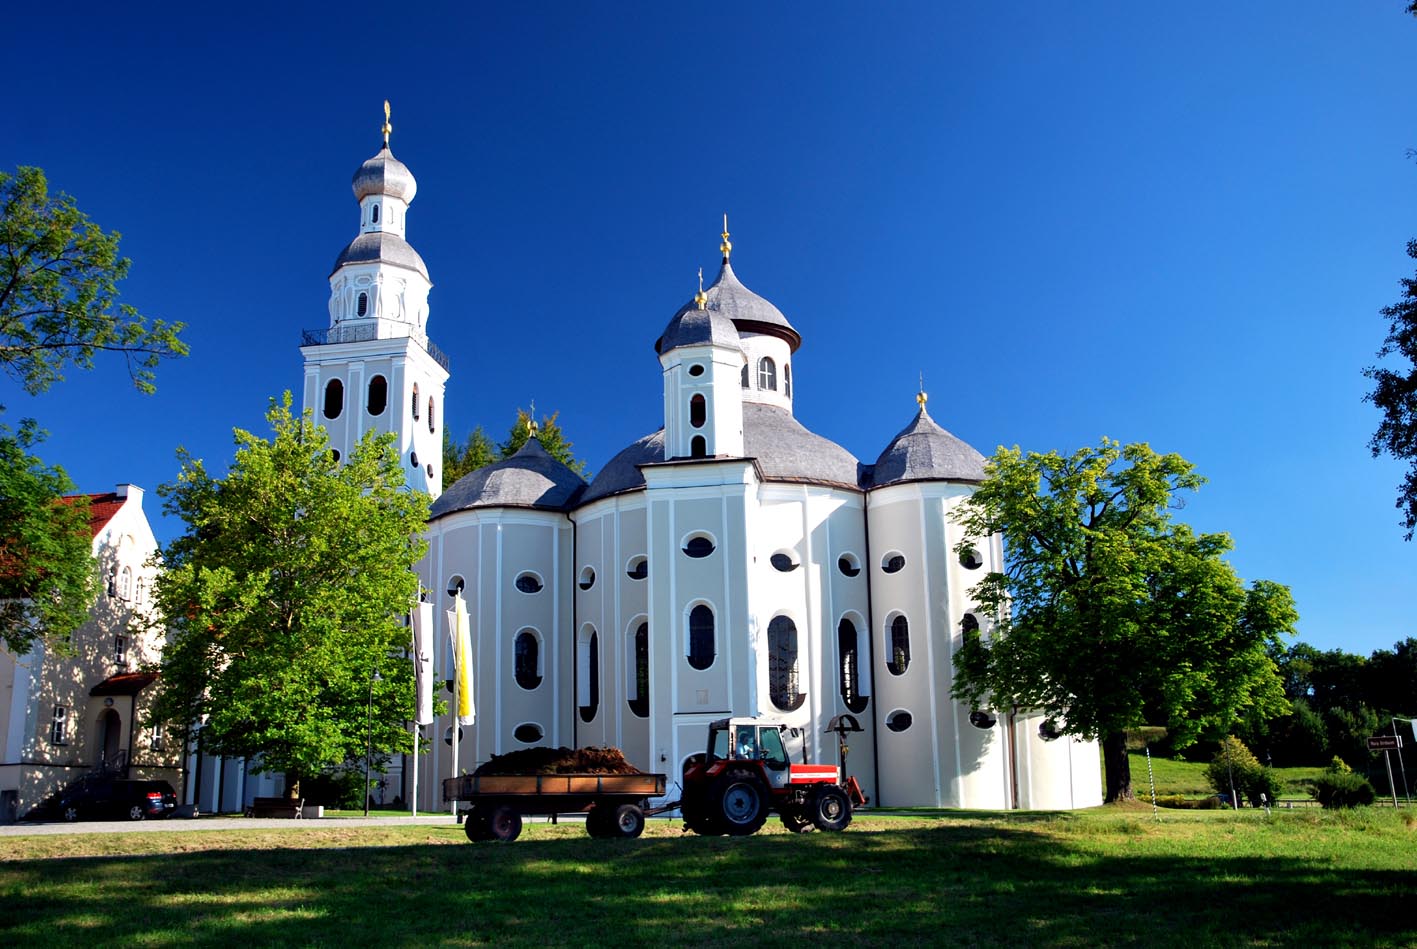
[
  {"x": 124, "y": 683},
  {"x": 102, "y": 507}
]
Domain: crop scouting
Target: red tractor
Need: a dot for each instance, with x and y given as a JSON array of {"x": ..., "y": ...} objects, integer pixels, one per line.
[{"x": 745, "y": 774}]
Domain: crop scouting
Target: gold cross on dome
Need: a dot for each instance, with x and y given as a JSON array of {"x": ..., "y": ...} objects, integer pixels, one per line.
[{"x": 387, "y": 127}]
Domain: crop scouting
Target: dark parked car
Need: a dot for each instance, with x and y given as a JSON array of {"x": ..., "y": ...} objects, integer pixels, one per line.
[{"x": 117, "y": 799}]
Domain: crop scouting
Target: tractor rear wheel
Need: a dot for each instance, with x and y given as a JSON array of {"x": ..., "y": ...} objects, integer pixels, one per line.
[
  {"x": 740, "y": 804},
  {"x": 831, "y": 808},
  {"x": 698, "y": 817},
  {"x": 504, "y": 823},
  {"x": 627, "y": 820}
]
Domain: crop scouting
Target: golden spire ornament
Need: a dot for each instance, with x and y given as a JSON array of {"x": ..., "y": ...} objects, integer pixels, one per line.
[
  {"x": 701, "y": 298},
  {"x": 922, "y": 396},
  {"x": 387, "y": 127},
  {"x": 726, "y": 246}
]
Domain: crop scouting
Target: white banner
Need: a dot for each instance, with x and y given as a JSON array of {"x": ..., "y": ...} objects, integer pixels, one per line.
[{"x": 423, "y": 662}]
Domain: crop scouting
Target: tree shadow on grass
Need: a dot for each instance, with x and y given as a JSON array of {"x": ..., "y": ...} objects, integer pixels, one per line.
[{"x": 945, "y": 883}]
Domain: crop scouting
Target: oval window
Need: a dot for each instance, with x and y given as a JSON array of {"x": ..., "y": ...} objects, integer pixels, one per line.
[
  {"x": 413, "y": 458},
  {"x": 378, "y": 395},
  {"x": 849, "y": 565},
  {"x": 698, "y": 411},
  {"x": 899, "y": 720},
  {"x": 587, "y": 578},
  {"x": 431, "y": 425},
  {"x": 696, "y": 370},
  {"x": 893, "y": 563},
  {"x": 899, "y": 646},
  {"x": 982, "y": 719},
  {"x": 971, "y": 559},
  {"x": 1049, "y": 730},
  {"x": 334, "y": 453},
  {"x": 428, "y": 469},
  {"x": 362, "y": 307},
  {"x": 415, "y": 401},
  {"x": 455, "y": 586},
  {"x": 783, "y": 563},
  {"x": 334, "y": 398},
  {"x": 528, "y": 583},
  {"x": 698, "y": 546},
  {"x": 528, "y": 733},
  {"x": 638, "y": 568}
]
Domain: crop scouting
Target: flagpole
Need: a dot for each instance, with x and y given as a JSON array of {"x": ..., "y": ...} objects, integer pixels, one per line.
[
  {"x": 1407, "y": 792},
  {"x": 414, "y": 798}
]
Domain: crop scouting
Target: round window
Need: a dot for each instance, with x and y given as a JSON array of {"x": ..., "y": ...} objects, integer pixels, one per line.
[
  {"x": 971, "y": 559},
  {"x": 587, "y": 578},
  {"x": 528, "y": 733},
  {"x": 698, "y": 546},
  {"x": 696, "y": 370},
  {"x": 638, "y": 568},
  {"x": 528, "y": 583},
  {"x": 849, "y": 565},
  {"x": 899, "y": 720},
  {"x": 893, "y": 563},
  {"x": 783, "y": 563}
]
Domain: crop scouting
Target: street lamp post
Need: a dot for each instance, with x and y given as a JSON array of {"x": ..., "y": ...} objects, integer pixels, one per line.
[{"x": 369, "y": 737}]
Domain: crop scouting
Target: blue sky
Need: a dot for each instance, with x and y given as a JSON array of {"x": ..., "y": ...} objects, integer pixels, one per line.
[{"x": 1076, "y": 220}]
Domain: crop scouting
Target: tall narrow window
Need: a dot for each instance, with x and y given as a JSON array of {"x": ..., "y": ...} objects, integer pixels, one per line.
[
  {"x": 431, "y": 423},
  {"x": 361, "y": 307},
  {"x": 787, "y": 380},
  {"x": 588, "y": 684},
  {"x": 527, "y": 659},
  {"x": 744, "y": 378},
  {"x": 899, "y": 646},
  {"x": 698, "y": 448},
  {"x": 698, "y": 411},
  {"x": 701, "y": 644},
  {"x": 782, "y": 664},
  {"x": 334, "y": 398},
  {"x": 378, "y": 395},
  {"x": 125, "y": 583},
  {"x": 849, "y": 650},
  {"x": 59, "y": 726},
  {"x": 374, "y": 214},
  {"x": 415, "y": 401},
  {"x": 120, "y": 650},
  {"x": 767, "y": 374},
  {"x": 640, "y": 649}
]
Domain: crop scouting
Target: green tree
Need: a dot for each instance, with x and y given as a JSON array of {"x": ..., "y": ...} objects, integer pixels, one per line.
[
  {"x": 478, "y": 450},
  {"x": 47, "y": 568},
  {"x": 286, "y": 593},
  {"x": 1110, "y": 613},
  {"x": 458, "y": 460},
  {"x": 59, "y": 275},
  {"x": 1395, "y": 394}
]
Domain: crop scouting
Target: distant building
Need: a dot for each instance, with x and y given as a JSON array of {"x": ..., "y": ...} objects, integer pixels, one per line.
[
  {"x": 62, "y": 716},
  {"x": 729, "y": 563}
]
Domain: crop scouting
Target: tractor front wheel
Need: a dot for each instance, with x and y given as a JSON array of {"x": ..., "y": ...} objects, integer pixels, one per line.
[
  {"x": 740, "y": 804},
  {"x": 831, "y": 808}
]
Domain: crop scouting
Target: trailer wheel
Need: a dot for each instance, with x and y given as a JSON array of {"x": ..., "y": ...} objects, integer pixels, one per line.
[
  {"x": 831, "y": 808},
  {"x": 598, "y": 821},
  {"x": 628, "y": 820},
  {"x": 475, "y": 825},
  {"x": 504, "y": 823},
  {"x": 796, "y": 823},
  {"x": 740, "y": 807}
]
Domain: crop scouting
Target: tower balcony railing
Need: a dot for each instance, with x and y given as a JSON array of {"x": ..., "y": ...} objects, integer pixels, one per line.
[{"x": 365, "y": 332}]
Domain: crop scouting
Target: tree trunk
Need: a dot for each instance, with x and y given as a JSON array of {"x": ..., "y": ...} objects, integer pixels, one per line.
[
  {"x": 292, "y": 786},
  {"x": 1118, "y": 768}
]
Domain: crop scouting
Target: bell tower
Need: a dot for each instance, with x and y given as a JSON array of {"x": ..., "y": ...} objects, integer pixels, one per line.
[{"x": 373, "y": 366}]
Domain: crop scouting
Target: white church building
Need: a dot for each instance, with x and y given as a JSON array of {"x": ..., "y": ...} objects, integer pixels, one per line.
[{"x": 731, "y": 562}]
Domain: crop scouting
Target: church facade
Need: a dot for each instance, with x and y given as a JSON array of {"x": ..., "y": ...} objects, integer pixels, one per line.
[{"x": 732, "y": 562}]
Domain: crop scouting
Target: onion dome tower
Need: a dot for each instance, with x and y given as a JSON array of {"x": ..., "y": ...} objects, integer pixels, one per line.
[{"x": 374, "y": 367}]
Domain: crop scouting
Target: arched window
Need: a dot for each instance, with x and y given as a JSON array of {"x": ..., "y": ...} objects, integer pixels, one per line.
[
  {"x": 374, "y": 214},
  {"x": 782, "y": 664},
  {"x": 767, "y": 374},
  {"x": 848, "y": 647},
  {"x": 378, "y": 395},
  {"x": 588, "y": 677},
  {"x": 701, "y": 644},
  {"x": 787, "y": 380},
  {"x": 899, "y": 651},
  {"x": 526, "y": 662},
  {"x": 334, "y": 398},
  {"x": 639, "y": 648},
  {"x": 744, "y": 378},
  {"x": 431, "y": 425},
  {"x": 698, "y": 448},
  {"x": 415, "y": 401},
  {"x": 125, "y": 583},
  {"x": 361, "y": 307},
  {"x": 698, "y": 411}
]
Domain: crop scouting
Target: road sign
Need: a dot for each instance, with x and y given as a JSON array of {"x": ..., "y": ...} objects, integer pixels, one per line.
[{"x": 1384, "y": 743}]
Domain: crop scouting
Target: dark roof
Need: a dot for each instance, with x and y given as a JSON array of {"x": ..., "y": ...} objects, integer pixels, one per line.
[
  {"x": 694, "y": 327},
  {"x": 124, "y": 683},
  {"x": 783, "y": 448},
  {"x": 748, "y": 311},
  {"x": 924, "y": 451},
  {"x": 530, "y": 478},
  {"x": 381, "y": 246},
  {"x": 384, "y": 174}
]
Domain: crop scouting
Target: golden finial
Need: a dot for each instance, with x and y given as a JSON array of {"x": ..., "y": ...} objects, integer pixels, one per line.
[
  {"x": 726, "y": 246},
  {"x": 701, "y": 298},
  {"x": 922, "y": 396},
  {"x": 532, "y": 427},
  {"x": 387, "y": 127}
]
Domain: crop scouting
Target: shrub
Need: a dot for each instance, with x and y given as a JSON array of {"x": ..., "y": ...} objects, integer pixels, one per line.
[{"x": 1342, "y": 789}]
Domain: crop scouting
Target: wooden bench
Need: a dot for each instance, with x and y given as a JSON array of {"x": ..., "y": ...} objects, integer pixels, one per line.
[{"x": 275, "y": 807}]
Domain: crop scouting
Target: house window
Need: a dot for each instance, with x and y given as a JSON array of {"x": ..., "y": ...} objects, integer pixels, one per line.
[
  {"x": 639, "y": 648},
  {"x": 698, "y": 411},
  {"x": 415, "y": 401},
  {"x": 848, "y": 647},
  {"x": 899, "y": 646},
  {"x": 526, "y": 664},
  {"x": 787, "y": 380},
  {"x": 58, "y": 727},
  {"x": 782, "y": 664},
  {"x": 140, "y": 591},
  {"x": 120, "y": 650},
  {"x": 767, "y": 374},
  {"x": 638, "y": 568},
  {"x": 378, "y": 395},
  {"x": 362, "y": 306},
  {"x": 157, "y": 738},
  {"x": 125, "y": 583},
  {"x": 334, "y": 398},
  {"x": 701, "y": 644},
  {"x": 893, "y": 563},
  {"x": 588, "y": 680}
]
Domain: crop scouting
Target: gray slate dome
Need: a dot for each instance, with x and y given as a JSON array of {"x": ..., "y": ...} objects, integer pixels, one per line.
[
  {"x": 694, "y": 327},
  {"x": 926, "y": 452},
  {"x": 748, "y": 311},
  {"x": 384, "y": 174},
  {"x": 784, "y": 449},
  {"x": 530, "y": 478},
  {"x": 381, "y": 247}
]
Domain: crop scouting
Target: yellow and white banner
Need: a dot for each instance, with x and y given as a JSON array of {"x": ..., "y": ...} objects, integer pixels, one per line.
[{"x": 460, "y": 632}]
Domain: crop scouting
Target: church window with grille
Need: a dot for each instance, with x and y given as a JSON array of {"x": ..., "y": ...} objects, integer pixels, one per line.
[
  {"x": 787, "y": 380},
  {"x": 415, "y": 401},
  {"x": 701, "y": 637},
  {"x": 899, "y": 646},
  {"x": 639, "y": 649},
  {"x": 361, "y": 307},
  {"x": 431, "y": 424},
  {"x": 783, "y": 678},
  {"x": 527, "y": 659},
  {"x": 767, "y": 374},
  {"x": 848, "y": 647}
]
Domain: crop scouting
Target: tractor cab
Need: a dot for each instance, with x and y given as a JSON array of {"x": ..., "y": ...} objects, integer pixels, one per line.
[{"x": 747, "y": 739}]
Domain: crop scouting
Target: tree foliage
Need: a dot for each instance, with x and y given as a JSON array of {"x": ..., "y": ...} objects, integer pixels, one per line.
[
  {"x": 478, "y": 450},
  {"x": 1110, "y": 615},
  {"x": 1395, "y": 394},
  {"x": 286, "y": 593},
  {"x": 59, "y": 275},
  {"x": 47, "y": 570}
]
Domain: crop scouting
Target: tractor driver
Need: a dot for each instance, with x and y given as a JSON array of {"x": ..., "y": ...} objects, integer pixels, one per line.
[{"x": 747, "y": 744}]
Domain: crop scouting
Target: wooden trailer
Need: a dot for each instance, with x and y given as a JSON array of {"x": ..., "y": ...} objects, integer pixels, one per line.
[{"x": 614, "y": 804}]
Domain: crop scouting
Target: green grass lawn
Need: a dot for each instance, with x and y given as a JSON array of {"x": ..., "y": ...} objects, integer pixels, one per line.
[
  {"x": 1187, "y": 778},
  {"x": 1111, "y": 876}
]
